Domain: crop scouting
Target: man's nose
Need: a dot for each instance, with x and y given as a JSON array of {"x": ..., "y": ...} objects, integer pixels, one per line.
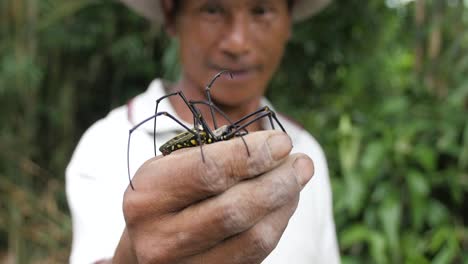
[{"x": 236, "y": 42}]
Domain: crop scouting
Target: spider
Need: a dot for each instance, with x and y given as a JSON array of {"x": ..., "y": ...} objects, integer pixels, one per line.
[{"x": 201, "y": 133}]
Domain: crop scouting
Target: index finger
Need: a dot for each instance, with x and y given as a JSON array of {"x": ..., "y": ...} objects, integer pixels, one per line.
[{"x": 182, "y": 178}]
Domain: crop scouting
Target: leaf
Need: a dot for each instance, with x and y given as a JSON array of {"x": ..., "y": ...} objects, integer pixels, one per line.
[
  {"x": 390, "y": 217},
  {"x": 444, "y": 242},
  {"x": 419, "y": 188},
  {"x": 426, "y": 156},
  {"x": 361, "y": 234},
  {"x": 373, "y": 158}
]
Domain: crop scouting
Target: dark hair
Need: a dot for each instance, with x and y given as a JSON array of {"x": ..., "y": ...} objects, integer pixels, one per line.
[{"x": 177, "y": 4}]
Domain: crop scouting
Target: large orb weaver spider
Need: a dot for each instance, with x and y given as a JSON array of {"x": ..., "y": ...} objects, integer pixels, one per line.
[{"x": 201, "y": 133}]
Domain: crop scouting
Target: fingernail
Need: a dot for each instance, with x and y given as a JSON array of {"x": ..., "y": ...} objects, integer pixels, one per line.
[
  {"x": 304, "y": 169},
  {"x": 280, "y": 145}
]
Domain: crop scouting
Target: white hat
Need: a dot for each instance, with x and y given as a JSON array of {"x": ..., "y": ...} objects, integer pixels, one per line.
[{"x": 151, "y": 9}]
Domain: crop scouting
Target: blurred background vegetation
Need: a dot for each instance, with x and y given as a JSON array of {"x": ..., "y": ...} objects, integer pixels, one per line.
[{"x": 383, "y": 85}]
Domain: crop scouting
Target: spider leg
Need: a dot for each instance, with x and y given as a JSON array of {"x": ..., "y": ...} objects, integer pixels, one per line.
[
  {"x": 199, "y": 141},
  {"x": 213, "y": 106},
  {"x": 143, "y": 122},
  {"x": 231, "y": 124},
  {"x": 237, "y": 128},
  {"x": 199, "y": 121},
  {"x": 202, "y": 122},
  {"x": 208, "y": 94},
  {"x": 181, "y": 95},
  {"x": 267, "y": 112},
  {"x": 260, "y": 113}
]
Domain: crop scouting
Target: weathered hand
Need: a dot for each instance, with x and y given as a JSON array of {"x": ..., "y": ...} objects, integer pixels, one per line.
[{"x": 232, "y": 208}]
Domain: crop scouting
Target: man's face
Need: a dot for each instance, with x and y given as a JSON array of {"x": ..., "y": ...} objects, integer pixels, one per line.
[{"x": 246, "y": 37}]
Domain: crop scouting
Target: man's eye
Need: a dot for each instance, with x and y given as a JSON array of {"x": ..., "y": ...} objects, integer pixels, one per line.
[
  {"x": 212, "y": 9},
  {"x": 260, "y": 10}
]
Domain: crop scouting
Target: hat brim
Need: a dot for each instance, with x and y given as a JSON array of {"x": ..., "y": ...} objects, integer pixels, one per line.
[{"x": 151, "y": 9}]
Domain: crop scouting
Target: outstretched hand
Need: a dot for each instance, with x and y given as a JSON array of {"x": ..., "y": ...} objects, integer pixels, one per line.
[{"x": 232, "y": 208}]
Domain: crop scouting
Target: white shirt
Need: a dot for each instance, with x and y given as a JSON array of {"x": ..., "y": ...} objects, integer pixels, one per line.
[{"x": 96, "y": 179}]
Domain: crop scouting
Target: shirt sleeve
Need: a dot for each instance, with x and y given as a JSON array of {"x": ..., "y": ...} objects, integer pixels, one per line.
[{"x": 94, "y": 198}]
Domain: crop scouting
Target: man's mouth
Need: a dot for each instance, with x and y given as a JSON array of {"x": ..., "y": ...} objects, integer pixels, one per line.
[{"x": 239, "y": 73}]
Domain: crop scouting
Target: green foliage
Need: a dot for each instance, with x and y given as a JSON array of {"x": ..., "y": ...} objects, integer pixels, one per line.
[
  {"x": 385, "y": 90},
  {"x": 394, "y": 133}
]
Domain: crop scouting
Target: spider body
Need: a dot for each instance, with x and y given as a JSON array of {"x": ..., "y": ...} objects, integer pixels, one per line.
[
  {"x": 189, "y": 139},
  {"x": 185, "y": 139}
]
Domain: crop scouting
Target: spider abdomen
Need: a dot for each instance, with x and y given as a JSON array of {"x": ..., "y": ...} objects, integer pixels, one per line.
[{"x": 185, "y": 139}]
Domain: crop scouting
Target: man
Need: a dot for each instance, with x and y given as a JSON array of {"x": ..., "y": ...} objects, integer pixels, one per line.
[{"x": 231, "y": 207}]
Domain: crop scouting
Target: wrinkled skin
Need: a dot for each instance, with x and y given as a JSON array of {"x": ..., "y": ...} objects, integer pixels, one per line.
[{"x": 230, "y": 209}]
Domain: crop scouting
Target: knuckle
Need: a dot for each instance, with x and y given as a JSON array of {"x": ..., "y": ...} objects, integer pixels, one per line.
[
  {"x": 161, "y": 256},
  {"x": 260, "y": 160},
  {"x": 153, "y": 255},
  {"x": 214, "y": 180},
  {"x": 296, "y": 200},
  {"x": 156, "y": 249},
  {"x": 263, "y": 242},
  {"x": 230, "y": 156},
  {"x": 292, "y": 205},
  {"x": 135, "y": 208},
  {"x": 233, "y": 218},
  {"x": 128, "y": 207},
  {"x": 282, "y": 190},
  {"x": 257, "y": 166},
  {"x": 222, "y": 169}
]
